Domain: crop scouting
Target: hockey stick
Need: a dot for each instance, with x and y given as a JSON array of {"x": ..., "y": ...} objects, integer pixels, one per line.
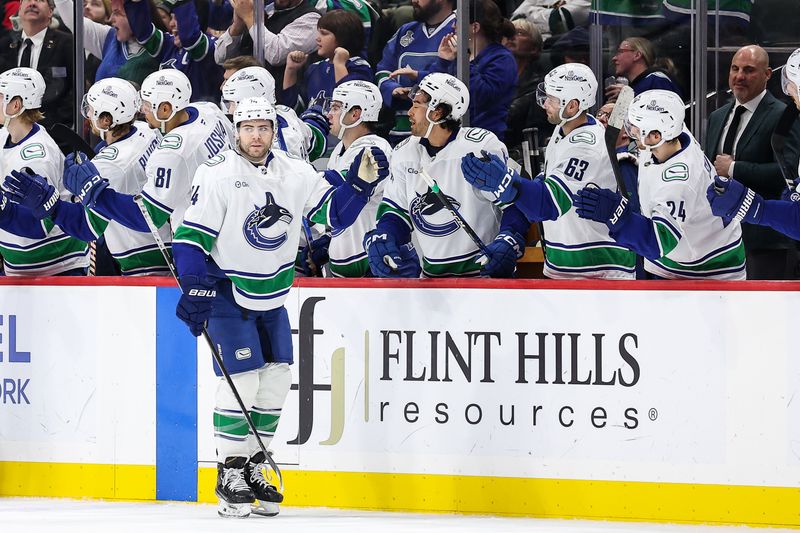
[
  {"x": 214, "y": 352},
  {"x": 453, "y": 211},
  {"x": 531, "y": 136},
  {"x": 616, "y": 122},
  {"x": 778, "y": 141},
  {"x": 63, "y": 136}
]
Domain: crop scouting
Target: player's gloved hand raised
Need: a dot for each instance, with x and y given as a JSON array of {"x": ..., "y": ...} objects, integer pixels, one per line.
[
  {"x": 503, "y": 252},
  {"x": 195, "y": 304},
  {"x": 30, "y": 190},
  {"x": 313, "y": 257},
  {"x": 791, "y": 194},
  {"x": 601, "y": 205},
  {"x": 490, "y": 173},
  {"x": 368, "y": 169},
  {"x": 83, "y": 179},
  {"x": 733, "y": 202},
  {"x": 387, "y": 259},
  {"x": 315, "y": 117}
]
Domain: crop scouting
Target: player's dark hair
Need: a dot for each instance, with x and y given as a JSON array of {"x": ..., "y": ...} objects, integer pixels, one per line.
[
  {"x": 240, "y": 62},
  {"x": 346, "y": 27},
  {"x": 487, "y": 14}
]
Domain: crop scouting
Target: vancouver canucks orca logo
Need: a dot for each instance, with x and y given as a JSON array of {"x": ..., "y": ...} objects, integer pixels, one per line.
[
  {"x": 259, "y": 226},
  {"x": 425, "y": 208}
]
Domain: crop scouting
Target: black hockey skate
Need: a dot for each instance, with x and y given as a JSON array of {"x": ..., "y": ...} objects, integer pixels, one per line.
[
  {"x": 267, "y": 496},
  {"x": 235, "y": 496}
]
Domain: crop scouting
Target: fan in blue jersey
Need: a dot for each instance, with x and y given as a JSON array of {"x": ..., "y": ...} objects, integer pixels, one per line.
[
  {"x": 733, "y": 201},
  {"x": 234, "y": 254}
]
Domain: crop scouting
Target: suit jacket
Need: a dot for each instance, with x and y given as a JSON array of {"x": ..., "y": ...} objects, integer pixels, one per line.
[
  {"x": 55, "y": 65},
  {"x": 755, "y": 162}
]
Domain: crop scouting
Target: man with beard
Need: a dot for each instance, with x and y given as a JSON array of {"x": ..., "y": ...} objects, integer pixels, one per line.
[{"x": 415, "y": 45}]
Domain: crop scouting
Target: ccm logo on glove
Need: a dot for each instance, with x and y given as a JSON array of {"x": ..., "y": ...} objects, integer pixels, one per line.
[{"x": 88, "y": 186}]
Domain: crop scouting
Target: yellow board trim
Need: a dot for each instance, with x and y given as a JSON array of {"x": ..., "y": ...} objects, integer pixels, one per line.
[
  {"x": 73, "y": 480},
  {"x": 544, "y": 498}
]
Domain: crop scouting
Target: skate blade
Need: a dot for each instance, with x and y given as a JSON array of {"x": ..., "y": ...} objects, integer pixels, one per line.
[
  {"x": 233, "y": 510},
  {"x": 265, "y": 508}
]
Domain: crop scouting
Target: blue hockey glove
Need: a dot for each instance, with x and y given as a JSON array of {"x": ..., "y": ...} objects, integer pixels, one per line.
[
  {"x": 30, "y": 190},
  {"x": 503, "y": 252},
  {"x": 313, "y": 257},
  {"x": 733, "y": 202},
  {"x": 601, "y": 205},
  {"x": 195, "y": 304},
  {"x": 791, "y": 195},
  {"x": 490, "y": 173},
  {"x": 387, "y": 259},
  {"x": 368, "y": 169},
  {"x": 315, "y": 117},
  {"x": 83, "y": 180}
]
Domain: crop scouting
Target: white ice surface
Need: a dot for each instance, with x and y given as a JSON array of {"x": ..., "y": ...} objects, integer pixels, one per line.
[{"x": 35, "y": 515}]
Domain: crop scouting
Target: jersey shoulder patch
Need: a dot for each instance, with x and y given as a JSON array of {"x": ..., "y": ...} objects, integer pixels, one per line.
[
  {"x": 403, "y": 143},
  {"x": 108, "y": 153},
  {"x": 172, "y": 141},
  {"x": 586, "y": 137},
  {"x": 676, "y": 172},
  {"x": 476, "y": 135},
  {"x": 214, "y": 161},
  {"x": 33, "y": 151}
]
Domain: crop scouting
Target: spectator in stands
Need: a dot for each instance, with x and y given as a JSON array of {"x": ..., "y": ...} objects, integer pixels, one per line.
[
  {"x": 184, "y": 47},
  {"x": 48, "y": 51},
  {"x": 554, "y": 17},
  {"x": 220, "y": 15},
  {"x": 738, "y": 142},
  {"x": 415, "y": 45},
  {"x": 572, "y": 47},
  {"x": 292, "y": 26},
  {"x": 340, "y": 41},
  {"x": 636, "y": 60},
  {"x": 492, "y": 69},
  {"x": 120, "y": 55},
  {"x": 526, "y": 46},
  {"x": 97, "y": 10},
  {"x": 361, "y": 8}
]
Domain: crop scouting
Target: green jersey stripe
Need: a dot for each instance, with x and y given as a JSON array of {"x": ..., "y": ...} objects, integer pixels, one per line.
[
  {"x": 387, "y": 208},
  {"x": 157, "y": 215},
  {"x": 456, "y": 268},
  {"x": 667, "y": 240},
  {"x": 231, "y": 425},
  {"x": 561, "y": 197},
  {"x": 262, "y": 287},
  {"x": 192, "y": 236},
  {"x": 733, "y": 257},
  {"x": 355, "y": 269},
  {"x": 145, "y": 259},
  {"x": 598, "y": 257},
  {"x": 45, "y": 253}
]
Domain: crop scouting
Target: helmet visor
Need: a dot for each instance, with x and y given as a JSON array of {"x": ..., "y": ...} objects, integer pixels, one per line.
[
  {"x": 542, "y": 96},
  {"x": 632, "y": 131},
  {"x": 790, "y": 88},
  {"x": 229, "y": 106},
  {"x": 86, "y": 109},
  {"x": 146, "y": 107}
]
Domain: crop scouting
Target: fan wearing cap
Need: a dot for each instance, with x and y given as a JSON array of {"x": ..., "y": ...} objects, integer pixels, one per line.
[
  {"x": 30, "y": 244},
  {"x": 676, "y": 232},
  {"x": 234, "y": 254},
  {"x": 110, "y": 105},
  {"x": 733, "y": 201},
  {"x": 437, "y": 144}
]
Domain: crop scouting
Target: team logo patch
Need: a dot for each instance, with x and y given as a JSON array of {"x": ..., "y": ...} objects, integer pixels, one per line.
[
  {"x": 407, "y": 39},
  {"x": 430, "y": 216},
  {"x": 33, "y": 151},
  {"x": 265, "y": 227},
  {"x": 243, "y": 353},
  {"x": 172, "y": 141},
  {"x": 677, "y": 172},
  {"x": 583, "y": 137},
  {"x": 109, "y": 153}
]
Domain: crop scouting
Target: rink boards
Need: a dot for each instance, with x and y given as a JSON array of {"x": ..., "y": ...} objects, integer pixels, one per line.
[{"x": 618, "y": 400}]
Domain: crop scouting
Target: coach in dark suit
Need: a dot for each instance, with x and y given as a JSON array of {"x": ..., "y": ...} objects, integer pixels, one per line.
[
  {"x": 48, "y": 51},
  {"x": 738, "y": 142}
]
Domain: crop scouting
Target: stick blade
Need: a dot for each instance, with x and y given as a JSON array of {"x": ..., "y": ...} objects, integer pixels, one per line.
[{"x": 620, "y": 111}]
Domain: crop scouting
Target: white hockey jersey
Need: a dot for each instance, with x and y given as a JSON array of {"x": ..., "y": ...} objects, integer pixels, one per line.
[
  {"x": 296, "y": 134},
  {"x": 57, "y": 252},
  {"x": 444, "y": 248},
  {"x": 123, "y": 164},
  {"x": 694, "y": 243},
  {"x": 171, "y": 168},
  {"x": 576, "y": 247},
  {"x": 346, "y": 251},
  {"x": 249, "y": 220}
]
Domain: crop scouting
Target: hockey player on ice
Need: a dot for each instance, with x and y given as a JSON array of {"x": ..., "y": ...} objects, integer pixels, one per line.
[
  {"x": 576, "y": 155},
  {"x": 731, "y": 200},
  {"x": 110, "y": 105},
  {"x": 235, "y": 254},
  {"x": 30, "y": 243},
  {"x": 193, "y": 133},
  {"x": 304, "y": 138},
  {"x": 676, "y": 232},
  {"x": 437, "y": 144},
  {"x": 353, "y": 114}
]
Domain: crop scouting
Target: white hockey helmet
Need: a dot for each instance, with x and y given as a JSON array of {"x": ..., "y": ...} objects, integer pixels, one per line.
[
  {"x": 443, "y": 89},
  {"x": 168, "y": 85},
  {"x": 655, "y": 110},
  {"x": 249, "y": 82},
  {"x": 791, "y": 74},
  {"x": 567, "y": 82},
  {"x": 254, "y": 109},
  {"x": 114, "y": 96},
  {"x": 361, "y": 94},
  {"x": 24, "y": 82}
]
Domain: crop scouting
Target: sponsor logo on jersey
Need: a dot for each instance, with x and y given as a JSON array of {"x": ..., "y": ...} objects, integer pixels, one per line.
[
  {"x": 583, "y": 137},
  {"x": 407, "y": 39},
  {"x": 426, "y": 207},
  {"x": 676, "y": 172},
  {"x": 265, "y": 227}
]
